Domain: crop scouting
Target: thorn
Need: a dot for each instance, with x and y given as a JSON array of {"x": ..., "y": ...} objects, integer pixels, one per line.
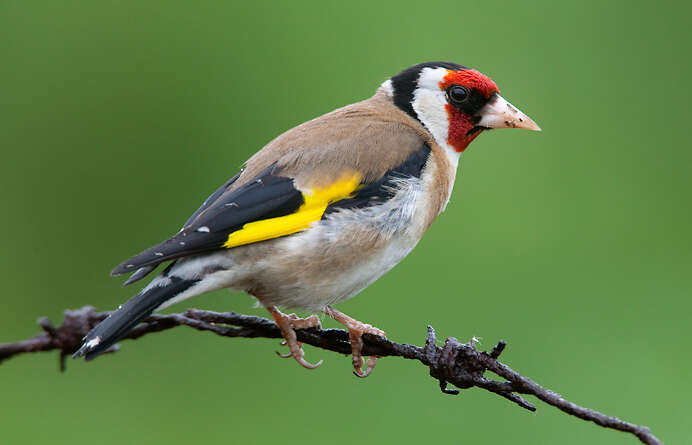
[
  {"x": 61, "y": 361},
  {"x": 443, "y": 388},
  {"x": 431, "y": 339},
  {"x": 47, "y": 326},
  {"x": 497, "y": 349}
]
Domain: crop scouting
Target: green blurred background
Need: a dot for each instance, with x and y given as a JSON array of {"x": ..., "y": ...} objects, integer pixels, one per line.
[{"x": 574, "y": 244}]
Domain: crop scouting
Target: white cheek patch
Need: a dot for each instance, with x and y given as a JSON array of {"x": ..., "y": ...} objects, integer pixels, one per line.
[
  {"x": 429, "y": 103},
  {"x": 430, "y": 78},
  {"x": 430, "y": 108}
]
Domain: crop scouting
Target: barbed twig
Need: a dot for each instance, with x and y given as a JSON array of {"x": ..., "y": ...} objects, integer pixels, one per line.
[{"x": 460, "y": 364}]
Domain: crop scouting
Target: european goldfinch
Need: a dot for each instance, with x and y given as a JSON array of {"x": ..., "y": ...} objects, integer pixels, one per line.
[{"x": 326, "y": 208}]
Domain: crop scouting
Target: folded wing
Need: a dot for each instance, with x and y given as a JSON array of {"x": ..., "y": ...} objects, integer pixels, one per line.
[
  {"x": 269, "y": 195},
  {"x": 269, "y": 206}
]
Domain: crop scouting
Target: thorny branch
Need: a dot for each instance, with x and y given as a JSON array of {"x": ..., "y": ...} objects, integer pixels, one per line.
[{"x": 460, "y": 364}]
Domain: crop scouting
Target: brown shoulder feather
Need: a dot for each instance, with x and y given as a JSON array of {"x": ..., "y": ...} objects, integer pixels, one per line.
[{"x": 368, "y": 137}]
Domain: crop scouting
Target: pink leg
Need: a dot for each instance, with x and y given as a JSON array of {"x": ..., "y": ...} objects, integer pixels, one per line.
[
  {"x": 356, "y": 329},
  {"x": 288, "y": 324}
]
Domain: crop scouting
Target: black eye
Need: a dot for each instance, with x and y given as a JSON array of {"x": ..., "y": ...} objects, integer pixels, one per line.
[{"x": 457, "y": 95}]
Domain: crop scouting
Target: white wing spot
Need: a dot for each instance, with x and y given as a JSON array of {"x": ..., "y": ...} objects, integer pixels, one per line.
[
  {"x": 158, "y": 253},
  {"x": 204, "y": 229},
  {"x": 231, "y": 204},
  {"x": 93, "y": 342},
  {"x": 182, "y": 243}
]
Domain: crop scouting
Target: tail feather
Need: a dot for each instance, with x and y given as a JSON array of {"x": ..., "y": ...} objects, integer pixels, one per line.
[
  {"x": 135, "y": 310},
  {"x": 139, "y": 274}
]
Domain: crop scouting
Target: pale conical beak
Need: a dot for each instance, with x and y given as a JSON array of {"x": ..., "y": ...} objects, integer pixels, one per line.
[{"x": 498, "y": 113}]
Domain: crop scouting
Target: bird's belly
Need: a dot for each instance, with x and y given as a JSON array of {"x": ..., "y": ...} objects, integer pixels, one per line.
[
  {"x": 340, "y": 255},
  {"x": 313, "y": 283}
]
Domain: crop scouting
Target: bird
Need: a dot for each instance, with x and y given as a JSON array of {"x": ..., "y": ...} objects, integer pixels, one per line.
[{"x": 325, "y": 209}]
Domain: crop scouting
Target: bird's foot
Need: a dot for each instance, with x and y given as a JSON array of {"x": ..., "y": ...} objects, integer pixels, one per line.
[
  {"x": 356, "y": 329},
  {"x": 288, "y": 324}
]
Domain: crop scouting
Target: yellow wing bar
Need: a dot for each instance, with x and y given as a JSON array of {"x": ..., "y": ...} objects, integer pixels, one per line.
[{"x": 315, "y": 202}]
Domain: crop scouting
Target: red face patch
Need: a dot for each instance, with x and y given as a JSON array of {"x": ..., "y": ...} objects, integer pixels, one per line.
[{"x": 461, "y": 123}]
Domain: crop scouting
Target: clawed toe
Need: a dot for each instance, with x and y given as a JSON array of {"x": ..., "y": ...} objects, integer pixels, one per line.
[
  {"x": 356, "y": 329},
  {"x": 358, "y": 369},
  {"x": 296, "y": 351},
  {"x": 356, "y": 336},
  {"x": 288, "y": 324},
  {"x": 288, "y": 354}
]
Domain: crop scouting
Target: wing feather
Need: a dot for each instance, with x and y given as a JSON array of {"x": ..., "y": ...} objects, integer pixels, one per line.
[
  {"x": 267, "y": 207},
  {"x": 269, "y": 195},
  {"x": 315, "y": 203}
]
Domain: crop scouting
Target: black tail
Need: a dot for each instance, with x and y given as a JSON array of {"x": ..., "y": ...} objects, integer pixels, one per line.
[{"x": 136, "y": 309}]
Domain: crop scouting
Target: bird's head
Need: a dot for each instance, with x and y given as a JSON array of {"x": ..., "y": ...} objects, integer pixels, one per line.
[{"x": 453, "y": 102}]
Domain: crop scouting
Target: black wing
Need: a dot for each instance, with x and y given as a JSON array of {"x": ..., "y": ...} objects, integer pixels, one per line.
[
  {"x": 146, "y": 270},
  {"x": 268, "y": 195},
  {"x": 212, "y": 199}
]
